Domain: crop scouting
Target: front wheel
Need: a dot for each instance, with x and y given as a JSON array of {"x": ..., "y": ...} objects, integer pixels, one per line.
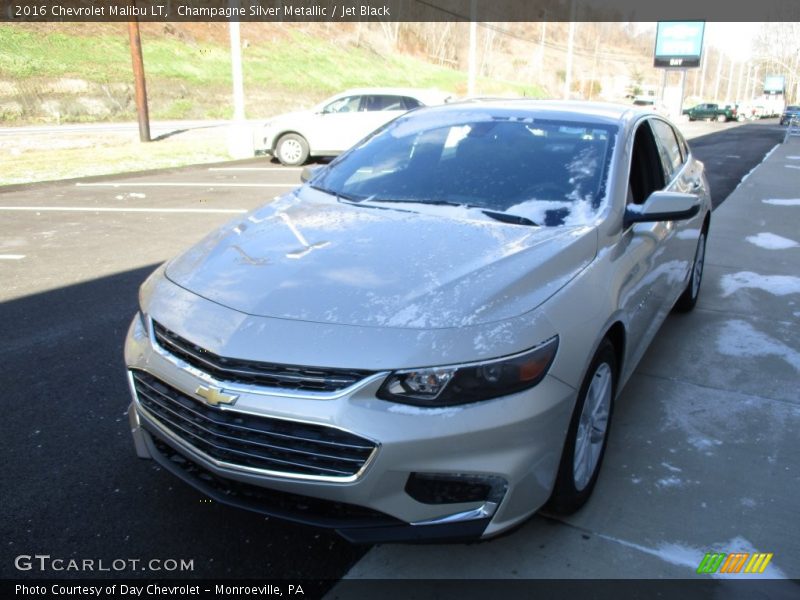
[
  {"x": 689, "y": 296},
  {"x": 292, "y": 150},
  {"x": 721, "y": 118},
  {"x": 586, "y": 440}
]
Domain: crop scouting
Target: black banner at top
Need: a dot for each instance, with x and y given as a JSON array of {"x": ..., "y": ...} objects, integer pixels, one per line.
[{"x": 396, "y": 10}]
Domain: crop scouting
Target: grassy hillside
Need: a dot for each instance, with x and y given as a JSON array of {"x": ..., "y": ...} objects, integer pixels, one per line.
[{"x": 80, "y": 72}]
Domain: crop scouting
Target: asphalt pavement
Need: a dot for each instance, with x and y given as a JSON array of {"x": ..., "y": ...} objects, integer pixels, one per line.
[{"x": 72, "y": 255}]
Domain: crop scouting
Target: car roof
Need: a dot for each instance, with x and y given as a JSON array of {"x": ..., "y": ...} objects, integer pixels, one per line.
[
  {"x": 601, "y": 113},
  {"x": 394, "y": 91}
]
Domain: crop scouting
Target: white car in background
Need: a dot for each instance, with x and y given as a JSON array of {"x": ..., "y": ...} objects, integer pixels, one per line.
[{"x": 336, "y": 124}]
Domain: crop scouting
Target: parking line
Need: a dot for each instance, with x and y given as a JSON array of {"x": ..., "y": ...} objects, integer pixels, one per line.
[
  {"x": 189, "y": 184},
  {"x": 124, "y": 210},
  {"x": 255, "y": 168},
  {"x": 11, "y": 256}
]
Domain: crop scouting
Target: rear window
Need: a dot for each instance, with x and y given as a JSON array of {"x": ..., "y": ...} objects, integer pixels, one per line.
[{"x": 551, "y": 172}]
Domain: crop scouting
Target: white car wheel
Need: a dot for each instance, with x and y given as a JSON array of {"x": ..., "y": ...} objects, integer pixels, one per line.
[{"x": 292, "y": 150}]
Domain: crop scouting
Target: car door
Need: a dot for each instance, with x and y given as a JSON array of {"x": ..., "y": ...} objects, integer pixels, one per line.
[
  {"x": 337, "y": 126},
  {"x": 642, "y": 248},
  {"x": 683, "y": 174}
]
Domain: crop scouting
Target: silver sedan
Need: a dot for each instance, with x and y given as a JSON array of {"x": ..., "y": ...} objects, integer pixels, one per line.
[{"x": 426, "y": 339}]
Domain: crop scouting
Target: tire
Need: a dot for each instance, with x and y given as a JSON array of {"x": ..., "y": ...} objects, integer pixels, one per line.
[
  {"x": 689, "y": 296},
  {"x": 582, "y": 458},
  {"x": 721, "y": 118},
  {"x": 292, "y": 150}
]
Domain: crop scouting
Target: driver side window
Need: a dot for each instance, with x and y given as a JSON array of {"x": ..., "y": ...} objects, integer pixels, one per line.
[
  {"x": 343, "y": 105},
  {"x": 646, "y": 173}
]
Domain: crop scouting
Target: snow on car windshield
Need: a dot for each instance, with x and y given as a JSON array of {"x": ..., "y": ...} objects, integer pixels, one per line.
[{"x": 550, "y": 172}]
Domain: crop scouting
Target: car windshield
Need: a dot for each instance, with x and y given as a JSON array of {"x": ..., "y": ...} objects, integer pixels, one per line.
[
  {"x": 545, "y": 171},
  {"x": 793, "y": 108}
]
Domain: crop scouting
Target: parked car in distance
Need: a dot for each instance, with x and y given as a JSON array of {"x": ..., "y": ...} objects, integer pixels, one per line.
[
  {"x": 790, "y": 112},
  {"x": 652, "y": 103},
  {"x": 335, "y": 124},
  {"x": 426, "y": 339},
  {"x": 711, "y": 112}
]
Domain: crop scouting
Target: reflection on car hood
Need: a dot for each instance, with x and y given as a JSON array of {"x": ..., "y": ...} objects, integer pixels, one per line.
[{"x": 314, "y": 259}]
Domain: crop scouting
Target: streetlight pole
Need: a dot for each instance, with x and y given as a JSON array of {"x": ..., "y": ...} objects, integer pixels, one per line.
[
  {"x": 473, "y": 43},
  {"x": 570, "y": 43},
  {"x": 240, "y": 138}
]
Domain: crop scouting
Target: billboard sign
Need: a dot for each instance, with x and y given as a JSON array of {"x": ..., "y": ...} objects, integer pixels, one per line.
[
  {"x": 774, "y": 84},
  {"x": 679, "y": 44}
]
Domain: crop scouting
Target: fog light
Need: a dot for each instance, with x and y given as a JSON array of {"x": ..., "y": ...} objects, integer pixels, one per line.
[{"x": 454, "y": 488}]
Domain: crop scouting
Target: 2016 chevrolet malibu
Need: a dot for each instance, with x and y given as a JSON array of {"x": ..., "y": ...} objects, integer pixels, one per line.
[{"x": 426, "y": 339}]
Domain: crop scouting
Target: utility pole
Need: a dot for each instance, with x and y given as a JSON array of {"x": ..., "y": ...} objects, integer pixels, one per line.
[
  {"x": 138, "y": 78},
  {"x": 730, "y": 81},
  {"x": 703, "y": 74},
  {"x": 739, "y": 83},
  {"x": 719, "y": 73},
  {"x": 541, "y": 46},
  {"x": 473, "y": 42},
  {"x": 240, "y": 137},
  {"x": 570, "y": 44},
  {"x": 236, "y": 71}
]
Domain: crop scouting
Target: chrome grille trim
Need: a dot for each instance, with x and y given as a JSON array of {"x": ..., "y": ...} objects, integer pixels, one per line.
[
  {"x": 248, "y": 443},
  {"x": 288, "y": 378}
]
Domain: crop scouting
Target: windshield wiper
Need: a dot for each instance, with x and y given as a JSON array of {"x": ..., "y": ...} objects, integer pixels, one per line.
[
  {"x": 508, "y": 218},
  {"x": 434, "y": 202},
  {"x": 340, "y": 196}
]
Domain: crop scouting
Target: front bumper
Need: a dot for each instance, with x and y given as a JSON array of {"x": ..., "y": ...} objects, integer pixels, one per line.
[{"x": 517, "y": 438}]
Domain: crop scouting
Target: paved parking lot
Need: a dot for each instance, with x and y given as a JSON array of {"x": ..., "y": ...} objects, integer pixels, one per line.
[{"x": 702, "y": 454}]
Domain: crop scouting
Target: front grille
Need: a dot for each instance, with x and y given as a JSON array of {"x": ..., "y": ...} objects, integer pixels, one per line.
[
  {"x": 257, "y": 373},
  {"x": 265, "y": 443}
]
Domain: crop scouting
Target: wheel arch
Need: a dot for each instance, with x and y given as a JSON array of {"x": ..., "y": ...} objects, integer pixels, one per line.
[{"x": 617, "y": 335}]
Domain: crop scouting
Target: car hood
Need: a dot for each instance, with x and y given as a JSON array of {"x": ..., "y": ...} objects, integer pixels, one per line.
[
  {"x": 307, "y": 257},
  {"x": 292, "y": 117}
]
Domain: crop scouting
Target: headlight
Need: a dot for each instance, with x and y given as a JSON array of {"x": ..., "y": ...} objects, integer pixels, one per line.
[{"x": 473, "y": 382}]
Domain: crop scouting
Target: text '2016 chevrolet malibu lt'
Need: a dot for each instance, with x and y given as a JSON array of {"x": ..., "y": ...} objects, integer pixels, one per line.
[{"x": 426, "y": 339}]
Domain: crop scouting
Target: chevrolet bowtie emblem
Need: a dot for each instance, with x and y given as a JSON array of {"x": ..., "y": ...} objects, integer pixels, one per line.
[{"x": 215, "y": 396}]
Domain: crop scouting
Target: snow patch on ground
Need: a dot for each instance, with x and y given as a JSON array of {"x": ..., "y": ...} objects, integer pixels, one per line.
[
  {"x": 782, "y": 201},
  {"x": 742, "y": 340},
  {"x": 704, "y": 421},
  {"x": 669, "y": 482},
  {"x": 779, "y": 285},
  {"x": 770, "y": 241},
  {"x": 684, "y": 555}
]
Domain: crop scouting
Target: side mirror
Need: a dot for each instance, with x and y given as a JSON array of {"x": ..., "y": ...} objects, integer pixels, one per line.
[
  {"x": 308, "y": 173},
  {"x": 663, "y": 206}
]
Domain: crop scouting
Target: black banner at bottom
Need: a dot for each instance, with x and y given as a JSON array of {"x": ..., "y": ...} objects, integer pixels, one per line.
[{"x": 410, "y": 589}]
